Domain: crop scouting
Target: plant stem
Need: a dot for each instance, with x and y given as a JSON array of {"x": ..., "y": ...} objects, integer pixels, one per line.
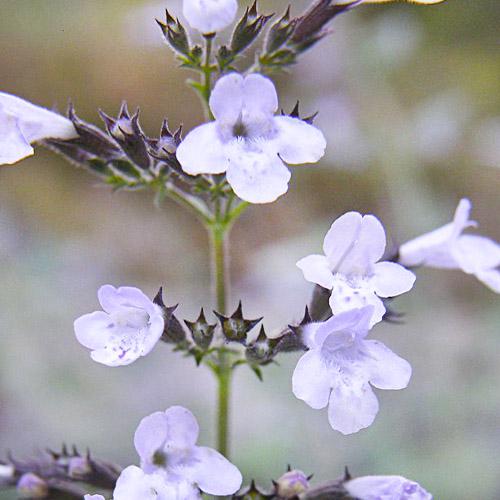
[
  {"x": 207, "y": 77},
  {"x": 219, "y": 249}
]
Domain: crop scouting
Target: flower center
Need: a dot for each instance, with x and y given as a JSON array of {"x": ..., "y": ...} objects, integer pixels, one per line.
[{"x": 159, "y": 458}]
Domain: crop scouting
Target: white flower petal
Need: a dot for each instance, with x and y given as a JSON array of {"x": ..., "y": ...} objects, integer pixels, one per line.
[
  {"x": 490, "y": 278},
  {"x": 214, "y": 474},
  {"x": 435, "y": 249},
  {"x": 134, "y": 484},
  {"x": 385, "y": 488},
  {"x": 367, "y": 248},
  {"x": 356, "y": 320},
  {"x": 257, "y": 176},
  {"x": 341, "y": 237},
  {"x": 345, "y": 297},
  {"x": 311, "y": 380},
  {"x": 226, "y": 99},
  {"x": 13, "y": 145},
  {"x": 387, "y": 369},
  {"x": 23, "y": 123},
  {"x": 36, "y": 123},
  {"x": 93, "y": 497},
  {"x": 391, "y": 279},
  {"x": 352, "y": 407},
  {"x": 209, "y": 16},
  {"x": 259, "y": 95},
  {"x": 155, "y": 331},
  {"x": 113, "y": 299},
  {"x": 461, "y": 217},
  {"x": 297, "y": 141},
  {"x": 476, "y": 253},
  {"x": 431, "y": 249},
  {"x": 113, "y": 358},
  {"x": 150, "y": 436},
  {"x": 93, "y": 330},
  {"x": 316, "y": 270},
  {"x": 182, "y": 428},
  {"x": 202, "y": 152}
]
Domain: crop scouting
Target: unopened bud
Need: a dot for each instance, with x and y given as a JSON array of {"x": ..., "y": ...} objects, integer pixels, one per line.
[
  {"x": 291, "y": 484},
  {"x": 32, "y": 486},
  {"x": 79, "y": 468}
]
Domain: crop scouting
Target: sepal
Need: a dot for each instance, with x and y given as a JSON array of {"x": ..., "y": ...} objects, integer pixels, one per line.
[
  {"x": 175, "y": 34},
  {"x": 311, "y": 26},
  {"x": 260, "y": 351},
  {"x": 127, "y": 132},
  {"x": 173, "y": 332},
  {"x": 280, "y": 32},
  {"x": 235, "y": 328},
  {"x": 248, "y": 29},
  {"x": 202, "y": 332}
]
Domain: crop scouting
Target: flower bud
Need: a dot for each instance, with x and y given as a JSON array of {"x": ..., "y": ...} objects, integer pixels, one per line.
[
  {"x": 79, "y": 468},
  {"x": 32, "y": 486},
  {"x": 291, "y": 484}
]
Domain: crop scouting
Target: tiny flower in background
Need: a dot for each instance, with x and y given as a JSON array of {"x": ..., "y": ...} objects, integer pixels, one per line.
[
  {"x": 385, "y": 488},
  {"x": 248, "y": 142},
  {"x": 340, "y": 366},
  {"x": 209, "y": 16},
  {"x": 350, "y": 268},
  {"x": 127, "y": 329},
  {"x": 23, "y": 123},
  {"x": 447, "y": 248},
  {"x": 166, "y": 443}
]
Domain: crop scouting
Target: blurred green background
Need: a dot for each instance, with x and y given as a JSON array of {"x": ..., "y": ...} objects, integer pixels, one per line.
[{"x": 409, "y": 99}]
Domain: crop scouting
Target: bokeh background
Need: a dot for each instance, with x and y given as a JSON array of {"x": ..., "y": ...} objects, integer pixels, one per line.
[{"x": 409, "y": 98}]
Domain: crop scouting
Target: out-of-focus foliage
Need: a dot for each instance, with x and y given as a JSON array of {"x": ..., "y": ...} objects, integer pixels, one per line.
[{"x": 409, "y": 98}]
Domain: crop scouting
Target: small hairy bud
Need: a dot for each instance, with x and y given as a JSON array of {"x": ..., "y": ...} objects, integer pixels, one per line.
[
  {"x": 291, "y": 484},
  {"x": 32, "y": 486},
  {"x": 79, "y": 467}
]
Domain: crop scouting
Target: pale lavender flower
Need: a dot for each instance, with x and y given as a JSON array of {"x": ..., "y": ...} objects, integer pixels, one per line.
[
  {"x": 340, "y": 366},
  {"x": 248, "y": 142},
  {"x": 385, "y": 488},
  {"x": 209, "y": 16},
  {"x": 134, "y": 484},
  {"x": 166, "y": 443},
  {"x": 23, "y": 123},
  {"x": 93, "y": 497},
  {"x": 350, "y": 268},
  {"x": 448, "y": 248},
  {"x": 128, "y": 328}
]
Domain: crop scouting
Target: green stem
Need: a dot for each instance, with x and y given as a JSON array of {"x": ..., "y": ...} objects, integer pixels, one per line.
[
  {"x": 224, "y": 381},
  {"x": 190, "y": 202},
  {"x": 219, "y": 249},
  {"x": 207, "y": 77}
]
